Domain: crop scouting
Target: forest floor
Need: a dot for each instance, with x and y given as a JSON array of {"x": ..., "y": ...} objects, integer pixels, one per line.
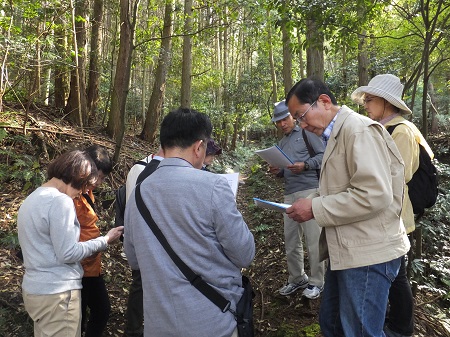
[{"x": 275, "y": 315}]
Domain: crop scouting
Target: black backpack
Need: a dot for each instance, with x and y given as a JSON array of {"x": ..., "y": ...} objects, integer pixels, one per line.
[
  {"x": 423, "y": 186},
  {"x": 121, "y": 201}
]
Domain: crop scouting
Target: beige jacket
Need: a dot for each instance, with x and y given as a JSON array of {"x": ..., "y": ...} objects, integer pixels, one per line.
[{"x": 360, "y": 195}]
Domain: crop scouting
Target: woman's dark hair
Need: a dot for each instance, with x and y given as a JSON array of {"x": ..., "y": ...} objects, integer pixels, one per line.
[
  {"x": 183, "y": 127},
  {"x": 74, "y": 168},
  {"x": 308, "y": 90},
  {"x": 101, "y": 158}
]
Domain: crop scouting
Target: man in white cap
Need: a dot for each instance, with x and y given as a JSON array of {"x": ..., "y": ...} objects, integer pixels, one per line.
[
  {"x": 301, "y": 179},
  {"x": 382, "y": 99}
]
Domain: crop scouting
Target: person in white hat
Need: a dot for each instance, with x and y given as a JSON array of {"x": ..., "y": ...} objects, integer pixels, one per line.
[
  {"x": 300, "y": 180},
  {"x": 382, "y": 99}
]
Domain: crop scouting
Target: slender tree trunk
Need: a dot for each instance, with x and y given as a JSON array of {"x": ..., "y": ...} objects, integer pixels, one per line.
[
  {"x": 61, "y": 78},
  {"x": 4, "y": 57},
  {"x": 314, "y": 52},
  {"x": 273, "y": 73},
  {"x": 433, "y": 108},
  {"x": 94, "y": 60},
  {"x": 287, "y": 57},
  {"x": 301, "y": 60},
  {"x": 116, "y": 122},
  {"x": 186, "y": 70},
  {"x": 77, "y": 101},
  {"x": 225, "y": 84},
  {"x": 426, "y": 77},
  {"x": 47, "y": 81},
  {"x": 154, "y": 110},
  {"x": 363, "y": 61},
  {"x": 37, "y": 67},
  {"x": 344, "y": 70}
]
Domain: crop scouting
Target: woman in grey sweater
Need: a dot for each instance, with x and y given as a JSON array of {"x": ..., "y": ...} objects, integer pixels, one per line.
[{"x": 48, "y": 235}]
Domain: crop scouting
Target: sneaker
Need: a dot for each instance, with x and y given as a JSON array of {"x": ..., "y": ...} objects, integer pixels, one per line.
[
  {"x": 312, "y": 292},
  {"x": 293, "y": 287}
]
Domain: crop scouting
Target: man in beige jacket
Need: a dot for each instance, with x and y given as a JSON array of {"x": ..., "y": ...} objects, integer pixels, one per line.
[{"x": 358, "y": 205}]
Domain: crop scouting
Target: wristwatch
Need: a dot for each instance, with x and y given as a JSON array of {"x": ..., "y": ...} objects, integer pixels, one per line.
[{"x": 306, "y": 166}]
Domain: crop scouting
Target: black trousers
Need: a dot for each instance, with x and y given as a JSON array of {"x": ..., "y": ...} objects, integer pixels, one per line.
[
  {"x": 400, "y": 318},
  {"x": 135, "y": 307},
  {"x": 95, "y": 297}
]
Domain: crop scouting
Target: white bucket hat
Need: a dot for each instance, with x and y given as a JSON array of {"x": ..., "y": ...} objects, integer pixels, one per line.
[
  {"x": 386, "y": 86},
  {"x": 281, "y": 111}
]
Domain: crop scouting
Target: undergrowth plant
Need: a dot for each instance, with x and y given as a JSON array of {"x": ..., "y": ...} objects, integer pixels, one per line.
[
  {"x": 432, "y": 271},
  {"x": 16, "y": 167}
]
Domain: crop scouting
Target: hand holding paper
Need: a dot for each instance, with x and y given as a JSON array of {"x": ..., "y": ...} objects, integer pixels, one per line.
[{"x": 301, "y": 210}]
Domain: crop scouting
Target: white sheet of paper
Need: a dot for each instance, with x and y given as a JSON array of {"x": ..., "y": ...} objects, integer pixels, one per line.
[
  {"x": 271, "y": 205},
  {"x": 233, "y": 181},
  {"x": 275, "y": 156}
]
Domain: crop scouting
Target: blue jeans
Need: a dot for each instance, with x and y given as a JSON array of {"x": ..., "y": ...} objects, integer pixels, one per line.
[{"x": 354, "y": 300}]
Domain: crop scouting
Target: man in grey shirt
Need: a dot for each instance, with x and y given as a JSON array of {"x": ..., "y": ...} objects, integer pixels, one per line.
[
  {"x": 301, "y": 179},
  {"x": 197, "y": 213}
]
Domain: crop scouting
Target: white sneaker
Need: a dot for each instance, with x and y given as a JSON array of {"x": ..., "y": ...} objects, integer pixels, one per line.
[
  {"x": 312, "y": 292},
  {"x": 293, "y": 287}
]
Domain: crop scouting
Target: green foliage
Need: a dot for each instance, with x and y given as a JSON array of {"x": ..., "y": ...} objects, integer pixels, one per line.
[
  {"x": 433, "y": 272},
  {"x": 3, "y": 134},
  {"x": 18, "y": 167},
  {"x": 290, "y": 330},
  {"x": 262, "y": 228},
  {"x": 9, "y": 239}
]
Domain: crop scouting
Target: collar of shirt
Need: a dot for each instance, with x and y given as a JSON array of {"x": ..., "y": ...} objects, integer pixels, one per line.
[
  {"x": 389, "y": 118},
  {"x": 327, "y": 132}
]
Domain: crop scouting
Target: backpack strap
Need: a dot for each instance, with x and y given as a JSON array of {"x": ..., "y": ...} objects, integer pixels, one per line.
[
  {"x": 311, "y": 151},
  {"x": 391, "y": 128}
]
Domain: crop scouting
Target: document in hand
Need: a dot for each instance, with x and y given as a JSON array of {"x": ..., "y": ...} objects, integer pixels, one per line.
[
  {"x": 275, "y": 156},
  {"x": 233, "y": 181},
  {"x": 271, "y": 205}
]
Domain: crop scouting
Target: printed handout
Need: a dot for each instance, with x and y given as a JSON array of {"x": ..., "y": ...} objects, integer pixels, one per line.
[{"x": 275, "y": 156}]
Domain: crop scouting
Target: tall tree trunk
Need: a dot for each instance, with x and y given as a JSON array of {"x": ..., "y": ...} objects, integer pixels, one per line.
[
  {"x": 433, "y": 108},
  {"x": 4, "y": 57},
  {"x": 273, "y": 74},
  {"x": 154, "y": 110},
  {"x": 77, "y": 101},
  {"x": 426, "y": 78},
  {"x": 301, "y": 60},
  {"x": 287, "y": 57},
  {"x": 61, "y": 78},
  {"x": 225, "y": 83},
  {"x": 186, "y": 70},
  {"x": 344, "y": 71},
  {"x": 37, "y": 67},
  {"x": 314, "y": 52},
  {"x": 94, "y": 60},
  {"x": 116, "y": 122},
  {"x": 363, "y": 61}
]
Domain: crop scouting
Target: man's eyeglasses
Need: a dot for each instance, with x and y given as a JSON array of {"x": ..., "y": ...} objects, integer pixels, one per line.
[{"x": 302, "y": 117}]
